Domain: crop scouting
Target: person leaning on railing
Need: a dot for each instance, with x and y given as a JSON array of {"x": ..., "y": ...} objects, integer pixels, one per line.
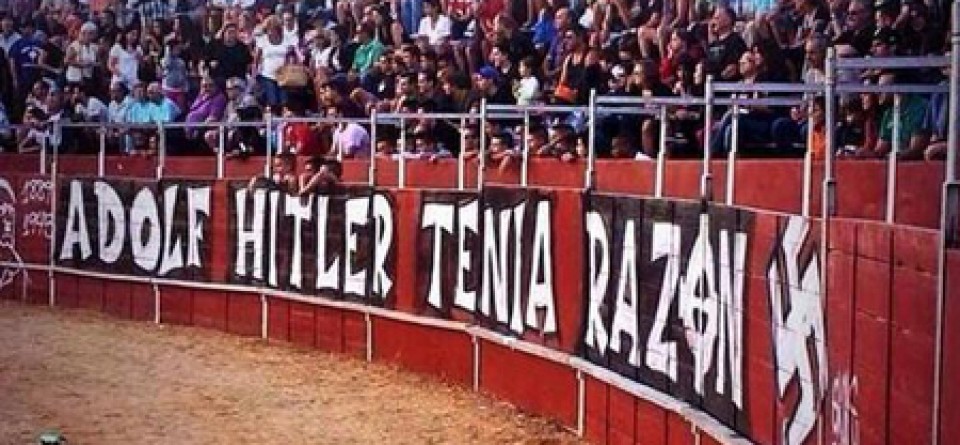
[{"x": 320, "y": 175}]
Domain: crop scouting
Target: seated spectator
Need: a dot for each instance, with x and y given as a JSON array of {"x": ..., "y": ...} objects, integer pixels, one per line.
[
  {"x": 86, "y": 108},
  {"x": 35, "y": 136},
  {"x": 527, "y": 89},
  {"x": 386, "y": 145},
  {"x": 209, "y": 105},
  {"x": 37, "y": 97},
  {"x": 299, "y": 138},
  {"x": 435, "y": 26},
  {"x": 235, "y": 93},
  {"x": 283, "y": 175},
  {"x": 152, "y": 106},
  {"x": 320, "y": 175},
  {"x": 537, "y": 139},
  {"x": 818, "y": 135},
  {"x": 174, "y": 74},
  {"x": 350, "y": 139},
  {"x": 501, "y": 151},
  {"x": 426, "y": 148},
  {"x": 247, "y": 140},
  {"x": 912, "y": 111},
  {"x": 563, "y": 143}
]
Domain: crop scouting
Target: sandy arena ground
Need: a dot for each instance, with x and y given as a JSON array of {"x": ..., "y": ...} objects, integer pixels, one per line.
[{"x": 105, "y": 381}]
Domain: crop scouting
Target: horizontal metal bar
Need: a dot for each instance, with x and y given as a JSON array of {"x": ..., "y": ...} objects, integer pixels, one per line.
[
  {"x": 893, "y": 89},
  {"x": 760, "y": 101},
  {"x": 654, "y": 100},
  {"x": 408, "y": 116},
  {"x": 893, "y": 62},
  {"x": 636, "y": 111},
  {"x": 321, "y": 119},
  {"x": 538, "y": 108},
  {"x": 767, "y": 87}
]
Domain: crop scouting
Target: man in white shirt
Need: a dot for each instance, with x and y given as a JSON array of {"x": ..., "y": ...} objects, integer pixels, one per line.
[
  {"x": 436, "y": 27},
  {"x": 350, "y": 140}
]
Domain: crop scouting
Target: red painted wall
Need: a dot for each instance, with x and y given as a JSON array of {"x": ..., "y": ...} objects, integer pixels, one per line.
[{"x": 880, "y": 306}]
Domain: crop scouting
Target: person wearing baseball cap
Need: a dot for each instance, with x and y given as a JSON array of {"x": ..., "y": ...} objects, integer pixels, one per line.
[{"x": 488, "y": 86}]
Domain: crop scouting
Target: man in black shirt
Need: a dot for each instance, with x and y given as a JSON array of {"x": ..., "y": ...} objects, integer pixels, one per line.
[
  {"x": 228, "y": 57},
  {"x": 488, "y": 86},
  {"x": 859, "y": 28},
  {"x": 726, "y": 47}
]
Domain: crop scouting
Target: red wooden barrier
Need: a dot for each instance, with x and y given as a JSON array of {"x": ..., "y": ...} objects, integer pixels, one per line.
[{"x": 879, "y": 310}]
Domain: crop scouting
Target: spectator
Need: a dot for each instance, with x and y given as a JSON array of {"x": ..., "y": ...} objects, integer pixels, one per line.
[
  {"x": 35, "y": 135},
  {"x": 368, "y": 50},
  {"x": 858, "y": 28},
  {"x": 350, "y": 140},
  {"x": 227, "y": 57},
  {"x": 209, "y": 106},
  {"x": 726, "y": 47},
  {"x": 174, "y": 74},
  {"x": 527, "y": 88},
  {"x": 299, "y": 138},
  {"x": 425, "y": 147},
  {"x": 125, "y": 58},
  {"x": 86, "y": 108},
  {"x": 578, "y": 72},
  {"x": 81, "y": 57},
  {"x": 24, "y": 55},
  {"x": 283, "y": 175},
  {"x": 271, "y": 55},
  {"x": 8, "y": 33},
  {"x": 488, "y": 86},
  {"x": 435, "y": 26},
  {"x": 320, "y": 175}
]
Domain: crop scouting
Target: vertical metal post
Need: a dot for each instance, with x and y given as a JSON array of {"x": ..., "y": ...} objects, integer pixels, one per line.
[
  {"x": 161, "y": 149},
  {"x": 369, "y": 333},
  {"x": 525, "y": 147},
  {"x": 43, "y": 155},
  {"x": 463, "y": 143},
  {"x": 102, "y": 153},
  {"x": 732, "y": 154},
  {"x": 482, "y": 162},
  {"x": 591, "y": 176},
  {"x": 706, "y": 178},
  {"x": 830, "y": 109},
  {"x": 661, "y": 154},
  {"x": 221, "y": 148},
  {"x": 268, "y": 135},
  {"x": 401, "y": 175},
  {"x": 54, "y": 197},
  {"x": 281, "y": 130},
  {"x": 892, "y": 160},
  {"x": 948, "y": 212},
  {"x": 807, "y": 165},
  {"x": 372, "y": 173}
]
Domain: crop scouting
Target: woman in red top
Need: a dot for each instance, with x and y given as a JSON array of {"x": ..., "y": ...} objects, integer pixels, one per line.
[{"x": 299, "y": 138}]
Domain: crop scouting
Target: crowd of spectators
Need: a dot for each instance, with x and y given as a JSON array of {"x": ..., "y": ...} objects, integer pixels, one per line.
[{"x": 140, "y": 62}]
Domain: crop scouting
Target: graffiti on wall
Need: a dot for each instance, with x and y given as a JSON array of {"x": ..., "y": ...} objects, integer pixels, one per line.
[
  {"x": 10, "y": 260},
  {"x": 490, "y": 256},
  {"x": 665, "y": 285},
  {"x": 156, "y": 229},
  {"x": 338, "y": 244},
  {"x": 793, "y": 278},
  {"x": 845, "y": 423},
  {"x": 37, "y": 193}
]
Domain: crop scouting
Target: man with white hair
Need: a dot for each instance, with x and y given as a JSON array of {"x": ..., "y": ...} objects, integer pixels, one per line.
[{"x": 81, "y": 56}]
